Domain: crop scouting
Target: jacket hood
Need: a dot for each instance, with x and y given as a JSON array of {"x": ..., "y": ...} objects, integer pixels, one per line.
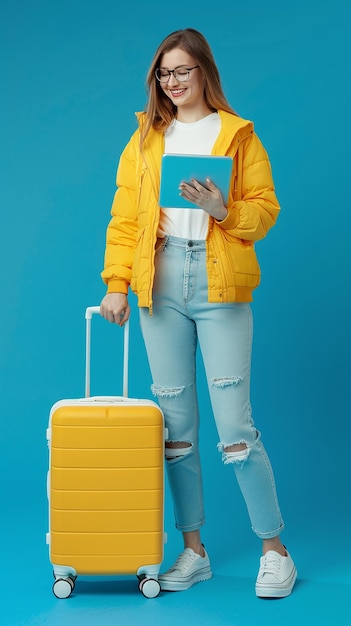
[{"x": 235, "y": 128}]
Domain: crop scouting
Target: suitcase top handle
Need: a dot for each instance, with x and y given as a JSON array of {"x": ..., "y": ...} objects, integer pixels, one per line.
[
  {"x": 95, "y": 310},
  {"x": 90, "y": 311}
]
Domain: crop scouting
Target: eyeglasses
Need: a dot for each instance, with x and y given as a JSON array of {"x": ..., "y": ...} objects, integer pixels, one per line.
[{"x": 180, "y": 73}]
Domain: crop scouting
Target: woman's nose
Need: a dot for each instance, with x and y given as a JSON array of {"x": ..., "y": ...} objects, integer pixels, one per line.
[{"x": 172, "y": 80}]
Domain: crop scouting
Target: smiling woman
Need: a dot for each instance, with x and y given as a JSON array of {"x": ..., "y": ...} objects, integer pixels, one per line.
[
  {"x": 183, "y": 85},
  {"x": 70, "y": 89},
  {"x": 194, "y": 271}
]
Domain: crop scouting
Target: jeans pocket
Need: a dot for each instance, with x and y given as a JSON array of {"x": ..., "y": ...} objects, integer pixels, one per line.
[{"x": 160, "y": 245}]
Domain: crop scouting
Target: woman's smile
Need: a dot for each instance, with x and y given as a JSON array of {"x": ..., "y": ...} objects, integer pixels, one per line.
[{"x": 177, "y": 92}]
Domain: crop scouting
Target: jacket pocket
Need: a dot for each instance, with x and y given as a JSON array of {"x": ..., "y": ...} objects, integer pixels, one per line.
[{"x": 243, "y": 267}]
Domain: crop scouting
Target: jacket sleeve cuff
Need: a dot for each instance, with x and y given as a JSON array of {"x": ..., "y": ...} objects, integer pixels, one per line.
[
  {"x": 116, "y": 285},
  {"x": 231, "y": 220}
]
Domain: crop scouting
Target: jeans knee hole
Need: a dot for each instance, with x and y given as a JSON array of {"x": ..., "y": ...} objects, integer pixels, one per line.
[
  {"x": 175, "y": 453},
  {"x": 226, "y": 381},
  {"x": 166, "y": 392}
]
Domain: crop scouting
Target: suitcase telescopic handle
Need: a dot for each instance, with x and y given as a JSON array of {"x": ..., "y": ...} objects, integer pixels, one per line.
[{"x": 95, "y": 310}]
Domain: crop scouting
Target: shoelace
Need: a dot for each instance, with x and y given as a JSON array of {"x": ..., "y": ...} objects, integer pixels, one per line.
[
  {"x": 270, "y": 565},
  {"x": 183, "y": 561}
]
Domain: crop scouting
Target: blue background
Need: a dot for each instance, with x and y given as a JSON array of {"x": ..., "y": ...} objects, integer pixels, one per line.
[{"x": 73, "y": 73}]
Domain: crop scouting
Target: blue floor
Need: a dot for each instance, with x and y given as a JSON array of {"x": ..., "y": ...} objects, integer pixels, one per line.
[{"x": 321, "y": 595}]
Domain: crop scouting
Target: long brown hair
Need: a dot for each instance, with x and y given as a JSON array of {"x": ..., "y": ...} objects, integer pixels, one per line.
[{"x": 160, "y": 110}]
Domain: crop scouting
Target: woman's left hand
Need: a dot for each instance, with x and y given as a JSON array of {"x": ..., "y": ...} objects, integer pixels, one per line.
[{"x": 208, "y": 198}]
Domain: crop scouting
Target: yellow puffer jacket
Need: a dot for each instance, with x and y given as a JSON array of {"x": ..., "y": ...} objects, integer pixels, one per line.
[{"x": 232, "y": 267}]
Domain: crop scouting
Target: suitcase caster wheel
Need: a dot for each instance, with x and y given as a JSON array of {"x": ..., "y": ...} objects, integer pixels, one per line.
[
  {"x": 149, "y": 587},
  {"x": 63, "y": 587}
]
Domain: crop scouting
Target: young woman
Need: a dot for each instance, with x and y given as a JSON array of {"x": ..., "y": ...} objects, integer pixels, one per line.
[{"x": 194, "y": 271}]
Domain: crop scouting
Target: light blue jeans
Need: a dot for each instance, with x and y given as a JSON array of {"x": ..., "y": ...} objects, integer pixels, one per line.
[{"x": 182, "y": 320}]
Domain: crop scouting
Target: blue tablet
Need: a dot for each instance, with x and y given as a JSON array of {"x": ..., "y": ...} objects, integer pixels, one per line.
[{"x": 183, "y": 167}]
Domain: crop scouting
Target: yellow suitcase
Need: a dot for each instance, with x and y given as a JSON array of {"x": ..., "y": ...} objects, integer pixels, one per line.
[{"x": 106, "y": 486}]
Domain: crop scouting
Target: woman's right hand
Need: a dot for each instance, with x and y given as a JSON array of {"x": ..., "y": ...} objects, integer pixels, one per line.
[{"x": 114, "y": 307}]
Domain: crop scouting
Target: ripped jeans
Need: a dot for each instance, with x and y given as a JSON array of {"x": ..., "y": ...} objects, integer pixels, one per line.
[{"x": 182, "y": 320}]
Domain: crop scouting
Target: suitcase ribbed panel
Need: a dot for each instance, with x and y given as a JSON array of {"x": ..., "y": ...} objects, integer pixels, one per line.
[{"x": 106, "y": 487}]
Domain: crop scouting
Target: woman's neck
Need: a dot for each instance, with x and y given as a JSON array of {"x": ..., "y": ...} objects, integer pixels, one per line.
[{"x": 190, "y": 115}]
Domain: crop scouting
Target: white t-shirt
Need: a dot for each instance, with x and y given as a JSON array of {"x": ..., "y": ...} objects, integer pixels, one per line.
[{"x": 195, "y": 138}]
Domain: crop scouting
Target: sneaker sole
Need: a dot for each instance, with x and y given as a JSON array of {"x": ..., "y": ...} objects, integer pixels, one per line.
[
  {"x": 182, "y": 585},
  {"x": 277, "y": 592}
]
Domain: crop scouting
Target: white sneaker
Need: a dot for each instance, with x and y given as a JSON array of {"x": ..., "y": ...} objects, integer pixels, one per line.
[
  {"x": 276, "y": 576},
  {"x": 189, "y": 568}
]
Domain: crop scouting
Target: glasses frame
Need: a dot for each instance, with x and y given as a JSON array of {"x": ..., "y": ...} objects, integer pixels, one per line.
[{"x": 174, "y": 72}]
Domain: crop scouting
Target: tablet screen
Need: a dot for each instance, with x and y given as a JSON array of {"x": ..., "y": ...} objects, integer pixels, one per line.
[{"x": 183, "y": 167}]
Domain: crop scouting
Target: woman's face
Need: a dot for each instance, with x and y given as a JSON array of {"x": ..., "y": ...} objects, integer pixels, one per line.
[{"x": 188, "y": 94}]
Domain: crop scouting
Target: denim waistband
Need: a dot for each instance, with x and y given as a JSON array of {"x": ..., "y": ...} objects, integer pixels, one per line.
[{"x": 186, "y": 244}]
